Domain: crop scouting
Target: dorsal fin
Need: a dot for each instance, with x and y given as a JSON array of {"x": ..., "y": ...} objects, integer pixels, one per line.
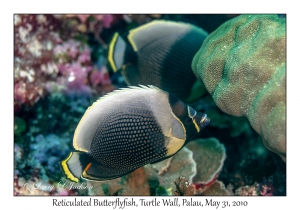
[
  {"x": 128, "y": 89},
  {"x": 154, "y": 30},
  {"x": 85, "y": 130}
]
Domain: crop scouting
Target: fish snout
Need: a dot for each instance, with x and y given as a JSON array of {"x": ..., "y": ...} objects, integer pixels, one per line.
[{"x": 204, "y": 121}]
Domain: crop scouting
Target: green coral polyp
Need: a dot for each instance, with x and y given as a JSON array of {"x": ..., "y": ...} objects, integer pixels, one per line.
[{"x": 242, "y": 64}]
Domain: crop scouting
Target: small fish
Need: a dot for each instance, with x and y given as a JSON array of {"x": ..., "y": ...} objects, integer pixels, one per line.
[
  {"x": 127, "y": 129},
  {"x": 160, "y": 53}
]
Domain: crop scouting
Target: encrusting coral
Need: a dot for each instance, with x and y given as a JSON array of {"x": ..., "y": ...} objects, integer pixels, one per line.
[
  {"x": 183, "y": 187},
  {"x": 218, "y": 188},
  {"x": 209, "y": 155},
  {"x": 243, "y": 66},
  {"x": 173, "y": 167}
]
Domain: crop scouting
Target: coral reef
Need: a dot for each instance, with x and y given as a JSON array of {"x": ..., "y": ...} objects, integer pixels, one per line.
[
  {"x": 218, "y": 188},
  {"x": 60, "y": 68},
  {"x": 243, "y": 66},
  {"x": 136, "y": 183},
  {"x": 265, "y": 188},
  {"x": 238, "y": 126},
  {"x": 248, "y": 190},
  {"x": 74, "y": 64},
  {"x": 48, "y": 151},
  {"x": 209, "y": 155},
  {"x": 34, "y": 186},
  {"x": 181, "y": 163},
  {"x": 183, "y": 187},
  {"x": 44, "y": 62},
  {"x": 19, "y": 128},
  {"x": 35, "y": 37},
  {"x": 23, "y": 187}
]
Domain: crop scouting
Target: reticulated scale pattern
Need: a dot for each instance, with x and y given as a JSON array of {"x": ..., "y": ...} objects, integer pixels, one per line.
[{"x": 127, "y": 140}]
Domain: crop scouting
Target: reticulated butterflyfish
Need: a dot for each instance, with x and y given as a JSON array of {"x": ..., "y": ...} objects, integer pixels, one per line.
[
  {"x": 127, "y": 129},
  {"x": 160, "y": 53}
]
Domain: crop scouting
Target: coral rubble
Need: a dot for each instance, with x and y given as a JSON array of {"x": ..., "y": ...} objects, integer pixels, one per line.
[{"x": 183, "y": 187}]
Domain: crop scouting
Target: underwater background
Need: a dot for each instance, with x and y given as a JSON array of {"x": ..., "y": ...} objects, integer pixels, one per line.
[{"x": 61, "y": 68}]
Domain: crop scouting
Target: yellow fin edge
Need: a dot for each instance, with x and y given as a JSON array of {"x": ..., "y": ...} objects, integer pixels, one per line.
[
  {"x": 174, "y": 145},
  {"x": 196, "y": 126},
  {"x": 111, "y": 50},
  {"x": 75, "y": 136},
  {"x": 79, "y": 125},
  {"x": 66, "y": 169},
  {"x": 130, "y": 39},
  {"x": 172, "y": 149},
  {"x": 88, "y": 177},
  {"x": 194, "y": 121},
  {"x": 138, "y": 29}
]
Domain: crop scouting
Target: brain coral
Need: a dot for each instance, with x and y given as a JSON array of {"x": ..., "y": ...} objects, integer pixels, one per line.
[{"x": 243, "y": 66}]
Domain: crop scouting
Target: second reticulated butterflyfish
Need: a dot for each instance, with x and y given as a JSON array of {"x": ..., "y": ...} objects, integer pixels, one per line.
[
  {"x": 127, "y": 129},
  {"x": 160, "y": 53}
]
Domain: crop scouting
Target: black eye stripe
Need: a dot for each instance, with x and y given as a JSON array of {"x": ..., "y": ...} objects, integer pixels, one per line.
[{"x": 178, "y": 107}]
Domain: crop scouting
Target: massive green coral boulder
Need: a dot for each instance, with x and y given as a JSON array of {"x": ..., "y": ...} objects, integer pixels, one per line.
[{"x": 243, "y": 66}]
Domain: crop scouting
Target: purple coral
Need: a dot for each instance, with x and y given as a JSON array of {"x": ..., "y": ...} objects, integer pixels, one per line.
[
  {"x": 266, "y": 187},
  {"x": 85, "y": 56},
  {"x": 74, "y": 64},
  {"x": 47, "y": 63},
  {"x": 100, "y": 77},
  {"x": 34, "y": 39},
  {"x": 76, "y": 79},
  {"x": 105, "y": 19}
]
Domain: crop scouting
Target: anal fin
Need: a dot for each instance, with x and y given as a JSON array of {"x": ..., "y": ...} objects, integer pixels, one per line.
[
  {"x": 97, "y": 172},
  {"x": 74, "y": 165}
]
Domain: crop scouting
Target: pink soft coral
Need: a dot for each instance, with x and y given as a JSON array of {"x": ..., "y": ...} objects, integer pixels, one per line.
[{"x": 100, "y": 77}]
